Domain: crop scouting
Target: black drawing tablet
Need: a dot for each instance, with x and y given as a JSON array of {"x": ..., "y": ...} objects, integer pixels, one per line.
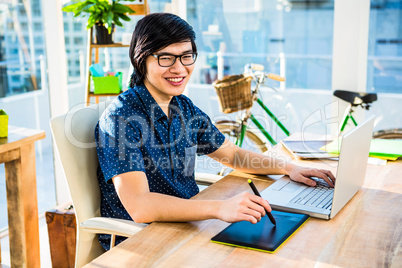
[{"x": 263, "y": 236}]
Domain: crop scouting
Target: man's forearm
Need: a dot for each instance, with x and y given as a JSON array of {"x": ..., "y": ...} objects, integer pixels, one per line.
[
  {"x": 150, "y": 207},
  {"x": 256, "y": 163}
]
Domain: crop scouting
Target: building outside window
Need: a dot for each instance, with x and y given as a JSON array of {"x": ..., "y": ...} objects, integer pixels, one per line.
[
  {"x": 384, "y": 70},
  {"x": 293, "y": 37},
  {"x": 37, "y": 26},
  {"x": 78, "y": 40},
  {"x": 21, "y": 93},
  {"x": 78, "y": 27}
]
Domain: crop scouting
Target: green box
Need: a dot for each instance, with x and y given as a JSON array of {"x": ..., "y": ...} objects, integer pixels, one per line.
[
  {"x": 3, "y": 124},
  {"x": 108, "y": 84}
]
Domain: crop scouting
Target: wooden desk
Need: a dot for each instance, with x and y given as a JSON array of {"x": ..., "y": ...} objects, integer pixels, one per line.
[
  {"x": 367, "y": 232},
  {"x": 18, "y": 153}
]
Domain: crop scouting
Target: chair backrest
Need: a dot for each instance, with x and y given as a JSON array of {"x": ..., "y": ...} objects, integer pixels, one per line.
[{"x": 74, "y": 137}]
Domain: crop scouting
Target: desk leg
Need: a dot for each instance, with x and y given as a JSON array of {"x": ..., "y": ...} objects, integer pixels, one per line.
[{"x": 22, "y": 206}]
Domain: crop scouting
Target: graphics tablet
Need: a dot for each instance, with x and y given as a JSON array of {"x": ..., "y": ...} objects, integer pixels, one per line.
[{"x": 262, "y": 236}]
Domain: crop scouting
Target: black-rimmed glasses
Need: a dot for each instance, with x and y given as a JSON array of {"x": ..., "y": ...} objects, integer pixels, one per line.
[{"x": 167, "y": 60}]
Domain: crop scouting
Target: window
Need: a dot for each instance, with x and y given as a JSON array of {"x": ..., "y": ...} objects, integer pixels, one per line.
[
  {"x": 37, "y": 26},
  {"x": 24, "y": 26},
  {"x": 384, "y": 70},
  {"x": 20, "y": 73},
  {"x": 65, "y": 26},
  {"x": 78, "y": 40},
  {"x": 38, "y": 40},
  {"x": 78, "y": 26},
  {"x": 22, "y": 11},
  {"x": 15, "y": 78},
  {"x": 36, "y": 8},
  {"x": 67, "y": 40},
  {"x": 13, "y": 51},
  {"x": 295, "y": 37}
]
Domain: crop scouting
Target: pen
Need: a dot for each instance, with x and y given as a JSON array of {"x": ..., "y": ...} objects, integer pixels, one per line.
[{"x": 257, "y": 193}]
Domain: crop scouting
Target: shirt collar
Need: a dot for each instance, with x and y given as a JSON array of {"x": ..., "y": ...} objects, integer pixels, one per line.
[
  {"x": 152, "y": 108},
  {"x": 175, "y": 107}
]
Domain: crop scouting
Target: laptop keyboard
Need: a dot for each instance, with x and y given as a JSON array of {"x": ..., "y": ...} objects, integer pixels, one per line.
[{"x": 319, "y": 196}]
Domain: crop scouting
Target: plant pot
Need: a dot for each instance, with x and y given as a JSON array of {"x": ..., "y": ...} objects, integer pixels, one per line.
[{"x": 102, "y": 35}]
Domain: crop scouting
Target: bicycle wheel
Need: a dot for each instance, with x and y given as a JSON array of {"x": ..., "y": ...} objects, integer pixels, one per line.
[
  {"x": 231, "y": 130},
  {"x": 252, "y": 140},
  {"x": 394, "y": 133}
]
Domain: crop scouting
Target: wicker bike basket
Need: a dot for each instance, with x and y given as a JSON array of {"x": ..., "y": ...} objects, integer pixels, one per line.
[{"x": 234, "y": 93}]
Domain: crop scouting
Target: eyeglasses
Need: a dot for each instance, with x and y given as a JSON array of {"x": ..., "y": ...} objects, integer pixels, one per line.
[{"x": 167, "y": 60}]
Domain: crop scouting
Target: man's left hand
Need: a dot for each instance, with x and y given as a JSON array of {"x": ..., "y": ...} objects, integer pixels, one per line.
[{"x": 303, "y": 174}]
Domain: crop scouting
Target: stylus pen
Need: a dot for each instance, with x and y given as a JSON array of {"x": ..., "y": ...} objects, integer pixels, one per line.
[{"x": 257, "y": 193}]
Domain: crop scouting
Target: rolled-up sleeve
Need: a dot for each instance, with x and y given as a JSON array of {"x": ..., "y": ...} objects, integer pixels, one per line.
[
  {"x": 209, "y": 138},
  {"x": 118, "y": 144}
]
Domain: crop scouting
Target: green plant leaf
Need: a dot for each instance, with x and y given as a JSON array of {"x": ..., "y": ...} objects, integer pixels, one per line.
[
  {"x": 109, "y": 18},
  {"x": 119, "y": 8},
  {"x": 71, "y": 8},
  {"x": 116, "y": 20},
  {"x": 124, "y": 17},
  {"x": 100, "y": 11}
]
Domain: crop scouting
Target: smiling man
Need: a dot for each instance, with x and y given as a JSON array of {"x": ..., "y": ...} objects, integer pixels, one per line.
[{"x": 148, "y": 138}]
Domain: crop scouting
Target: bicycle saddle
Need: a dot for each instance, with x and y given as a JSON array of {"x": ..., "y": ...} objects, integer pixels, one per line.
[{"x": 355, "y": 98}]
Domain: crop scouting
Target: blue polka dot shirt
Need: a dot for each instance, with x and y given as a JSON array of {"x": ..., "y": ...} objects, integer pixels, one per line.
[{"x": 134, "y": 134}]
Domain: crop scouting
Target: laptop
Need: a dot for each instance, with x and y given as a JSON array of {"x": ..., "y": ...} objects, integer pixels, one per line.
[{"x": 321, "y": 201}]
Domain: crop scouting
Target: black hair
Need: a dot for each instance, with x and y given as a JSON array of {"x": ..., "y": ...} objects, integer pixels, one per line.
[{"x": 152, "y": 33}]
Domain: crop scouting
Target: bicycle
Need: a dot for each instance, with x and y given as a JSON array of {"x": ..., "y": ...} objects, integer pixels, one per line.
[
  {"x": 364, "y": 100},
  {"x": 235, "y": 94}
]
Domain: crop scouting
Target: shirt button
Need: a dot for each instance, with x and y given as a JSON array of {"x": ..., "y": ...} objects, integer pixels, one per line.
[{"x": 175, "y": 180}]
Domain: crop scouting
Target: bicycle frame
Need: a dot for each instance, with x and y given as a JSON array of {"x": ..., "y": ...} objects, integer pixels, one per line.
[
  {"x": 259, "y": 80},
  {"x": 239, "y": 141},
  {"x": 345, "y": 121}
]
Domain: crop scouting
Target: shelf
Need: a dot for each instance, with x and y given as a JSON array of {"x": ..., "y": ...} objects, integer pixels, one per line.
[
  {"x": 91, "y": 94},
  {"x": 140, "y": 9},
  {"x": 109, "y": 45}
]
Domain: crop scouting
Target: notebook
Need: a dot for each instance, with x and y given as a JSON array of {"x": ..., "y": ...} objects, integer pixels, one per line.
[
  {"x": 308, "y": 149},
  {"x": 262, "y": 236}
]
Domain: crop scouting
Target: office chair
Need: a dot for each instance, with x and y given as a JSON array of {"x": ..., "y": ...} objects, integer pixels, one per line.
[{"x": 74, "y": 138}]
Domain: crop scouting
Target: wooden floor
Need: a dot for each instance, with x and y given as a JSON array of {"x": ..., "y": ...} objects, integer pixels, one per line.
[{"x": 45, "y": 260}]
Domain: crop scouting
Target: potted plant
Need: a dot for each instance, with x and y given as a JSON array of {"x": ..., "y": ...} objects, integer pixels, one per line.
[{"x": 103, "y": 14}]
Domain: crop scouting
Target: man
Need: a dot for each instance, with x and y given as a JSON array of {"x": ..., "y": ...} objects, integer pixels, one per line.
[{"x": 148, "y": 138}]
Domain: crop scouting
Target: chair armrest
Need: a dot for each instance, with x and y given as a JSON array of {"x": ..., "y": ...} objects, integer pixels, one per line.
[
  {"x": 102, "y": 225},
  {"x": 206, "y": 178}
]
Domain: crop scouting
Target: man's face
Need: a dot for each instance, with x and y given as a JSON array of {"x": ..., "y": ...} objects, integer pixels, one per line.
[{"x": 165, "y": 82}]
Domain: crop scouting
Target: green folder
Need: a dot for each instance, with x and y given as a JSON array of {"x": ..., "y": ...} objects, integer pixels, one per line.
[
  {"x": 389, "y": 149},
  {"x": 262, "y": 236}
]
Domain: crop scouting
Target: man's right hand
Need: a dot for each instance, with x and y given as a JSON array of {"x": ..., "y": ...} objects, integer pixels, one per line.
[{"x": 243, "y": 207}]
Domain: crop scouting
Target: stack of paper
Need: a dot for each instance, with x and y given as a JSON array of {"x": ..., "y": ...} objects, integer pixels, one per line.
[{"x": 381, "y": 148}]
